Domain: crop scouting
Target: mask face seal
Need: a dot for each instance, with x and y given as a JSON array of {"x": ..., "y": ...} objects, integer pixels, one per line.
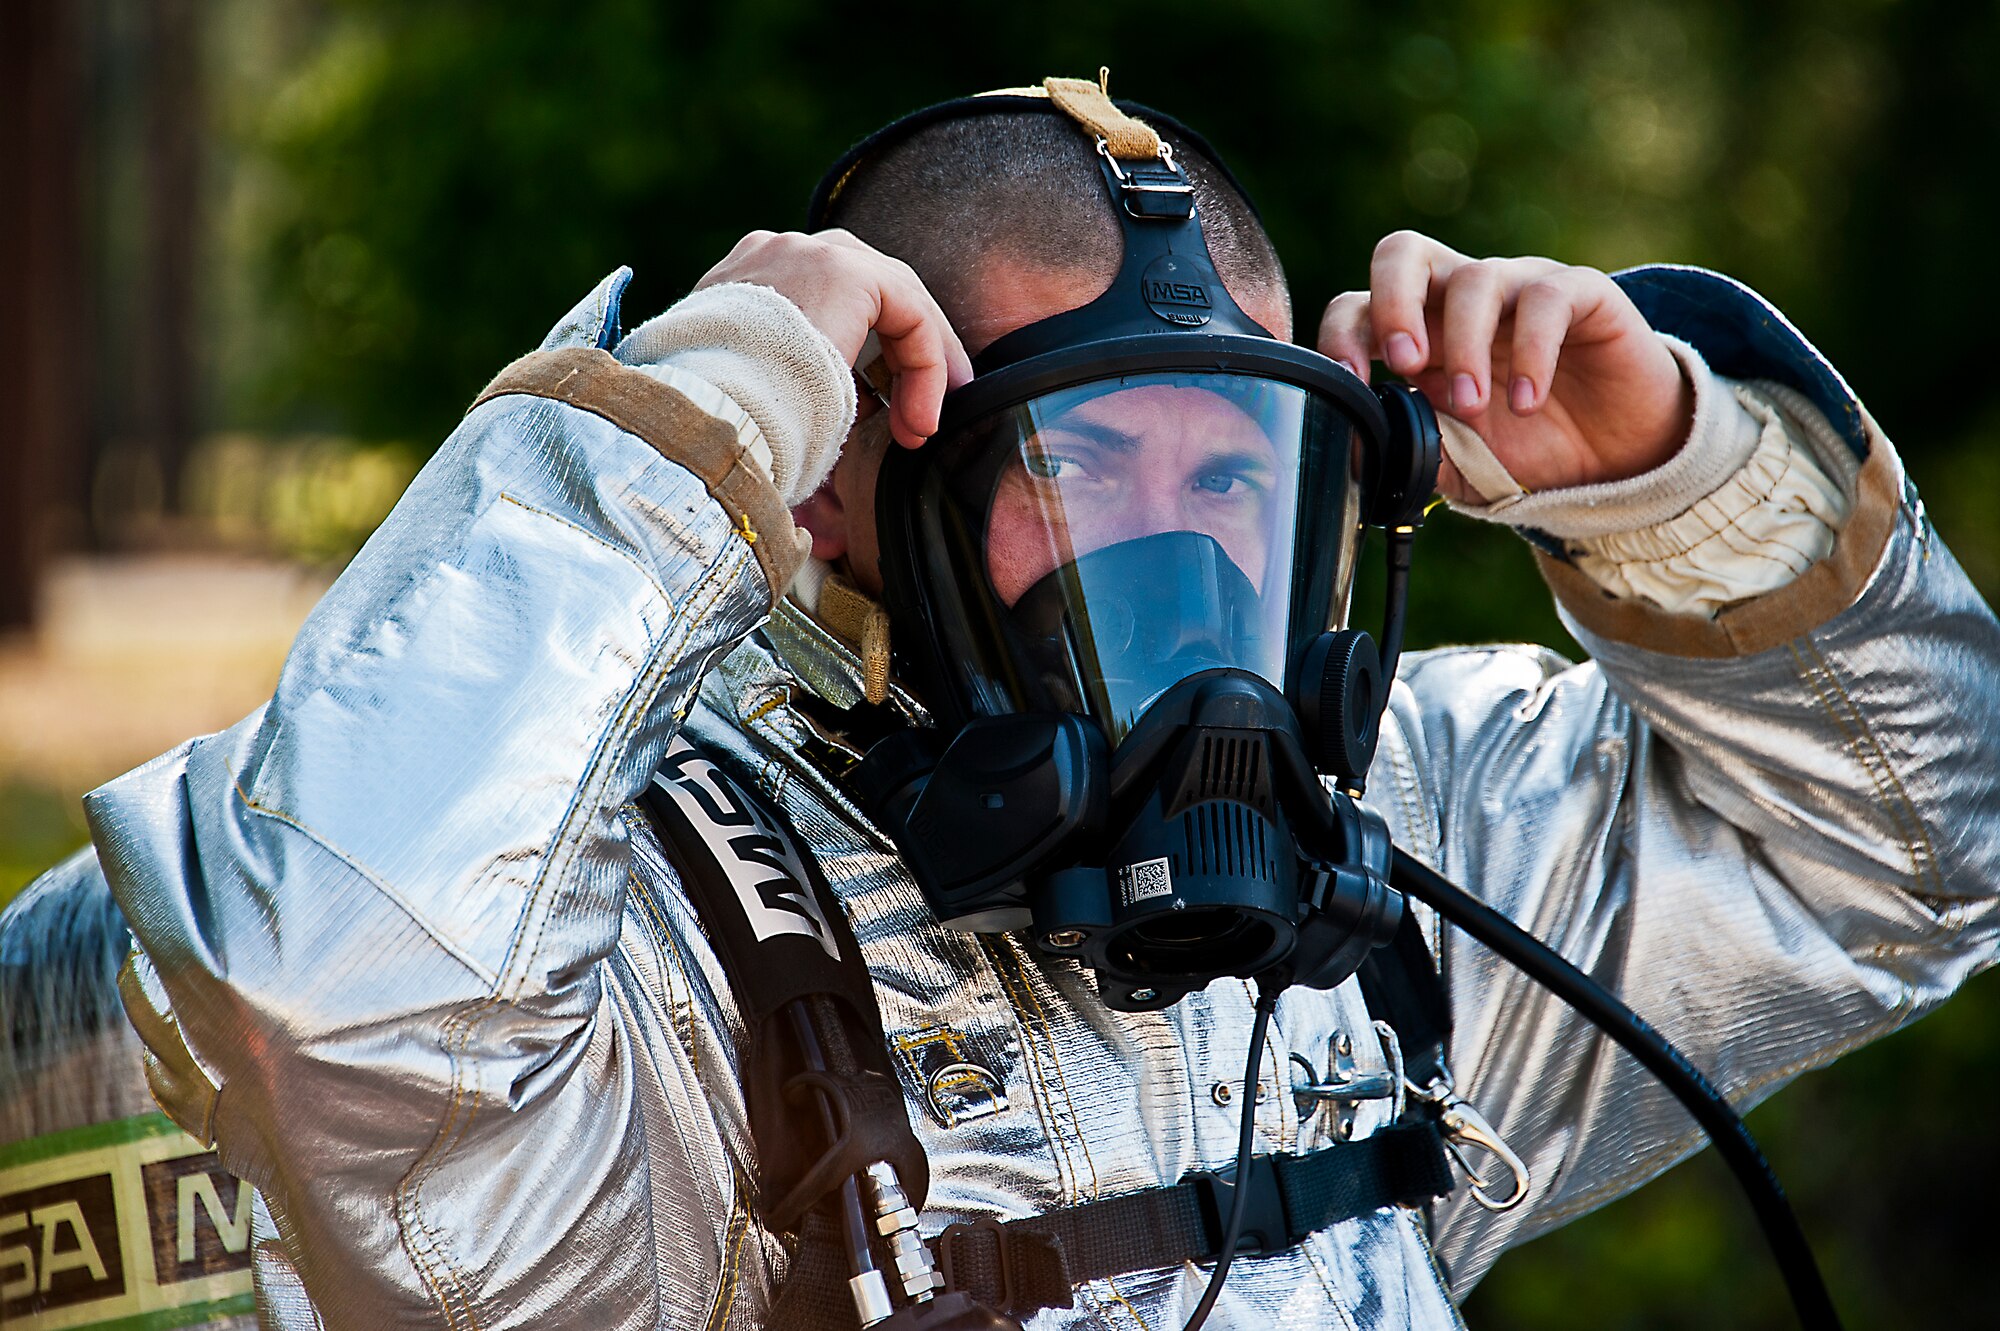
[{"x": 1134, "y": 531}]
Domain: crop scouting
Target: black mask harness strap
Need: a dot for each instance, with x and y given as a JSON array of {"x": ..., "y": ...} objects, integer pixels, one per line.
[{"x": 1166, "y": 282}]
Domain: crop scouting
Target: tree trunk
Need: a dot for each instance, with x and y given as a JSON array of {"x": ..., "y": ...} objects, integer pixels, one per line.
[
  {"x": 42, "y": 418},
  {"x": 168, "y": 368}
]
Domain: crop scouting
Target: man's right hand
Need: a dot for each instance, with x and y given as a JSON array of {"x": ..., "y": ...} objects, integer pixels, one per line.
[{"x": 846, "y": 289}]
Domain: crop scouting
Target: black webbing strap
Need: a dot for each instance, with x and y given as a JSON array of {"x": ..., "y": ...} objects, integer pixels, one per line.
[
  {"x": 813, "y": 1296},
  {"x": 1022, "y": 1266},
  {"x": 1401, "y": 985},
  {"x": 781, "y": 936},
  {"x": 783, "y": 939}
]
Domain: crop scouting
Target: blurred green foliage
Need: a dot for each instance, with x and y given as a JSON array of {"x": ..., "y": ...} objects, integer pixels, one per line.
[
  {"x": 39, "y": 824},
  {"x": 415, "y": 192},
  {"x": 433, "y": 184},
  {"x": 309, "y": 498}
]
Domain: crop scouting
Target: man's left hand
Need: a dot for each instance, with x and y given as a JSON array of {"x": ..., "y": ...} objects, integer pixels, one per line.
[{"x": 1550, "y": 363}]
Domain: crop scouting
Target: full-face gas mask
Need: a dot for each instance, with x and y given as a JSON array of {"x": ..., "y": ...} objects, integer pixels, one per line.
[{"x": 1119, "y": 577}]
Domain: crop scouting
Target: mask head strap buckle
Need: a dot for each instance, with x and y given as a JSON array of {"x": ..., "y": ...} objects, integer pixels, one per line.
[
  {"x": 1155, "y": 191},
  {"x": 1166, "y": 280},
  {"x": 1140, "y": 163}
]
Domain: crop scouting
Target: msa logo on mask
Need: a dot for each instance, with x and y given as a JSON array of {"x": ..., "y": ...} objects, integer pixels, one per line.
[
  {"x": 115, "y": 1224},
  {"x": 757, "y": 855},
  {"x": 1172, "y": 291}
]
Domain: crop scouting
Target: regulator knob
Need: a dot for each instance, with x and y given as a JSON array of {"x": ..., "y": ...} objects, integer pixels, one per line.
[{"x": 1338, "y": 697}]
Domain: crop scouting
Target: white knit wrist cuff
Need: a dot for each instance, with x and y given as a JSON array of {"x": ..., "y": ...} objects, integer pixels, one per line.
[
  {"x": 1719, "y": 443},
  {"x": 766, "y": 356},
  {"x": 1773, "y": 519}
]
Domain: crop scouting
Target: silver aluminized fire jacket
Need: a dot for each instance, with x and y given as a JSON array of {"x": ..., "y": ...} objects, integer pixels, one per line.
[{"x": 414, "y": 965}]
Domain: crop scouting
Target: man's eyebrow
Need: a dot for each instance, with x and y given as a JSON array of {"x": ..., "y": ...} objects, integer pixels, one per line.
[
  {"x": 1099, "y": 434},
  {"x": 1245, "y": 459}
]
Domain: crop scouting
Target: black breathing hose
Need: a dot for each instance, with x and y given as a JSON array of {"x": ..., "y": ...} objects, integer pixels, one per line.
[
  {"x": 1701, "y": 1099},
  {"x": 1396, "y": 601},
  {"x": 853, "y": 1219},
  {"x": 1246, "y": 1137}
]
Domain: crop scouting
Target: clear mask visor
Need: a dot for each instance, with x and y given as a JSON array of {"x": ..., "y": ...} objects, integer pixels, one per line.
[{"x": 1137, "y": 530}]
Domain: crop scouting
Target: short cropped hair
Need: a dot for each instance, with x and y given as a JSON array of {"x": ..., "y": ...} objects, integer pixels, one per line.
[{"x": 1024, "y": 187}]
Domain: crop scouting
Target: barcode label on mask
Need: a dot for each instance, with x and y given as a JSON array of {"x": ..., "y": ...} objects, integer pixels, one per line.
[{"x": 1145, "y": 880}]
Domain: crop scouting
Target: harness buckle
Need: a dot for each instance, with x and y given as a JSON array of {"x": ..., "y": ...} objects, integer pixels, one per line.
[
  {"x": 971, "y": 1231},
  {"x": 1148, "y": 191},
  {"x": 1267, "y": 1225}
]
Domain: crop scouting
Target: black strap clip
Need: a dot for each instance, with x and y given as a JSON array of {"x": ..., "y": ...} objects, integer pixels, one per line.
[
  {"x": 950, "y": 1254},
  {"x": 1012, "y": 1268},
  {"x": 1151, "y": 191},
  {"x": 1267, "y": 1221}
]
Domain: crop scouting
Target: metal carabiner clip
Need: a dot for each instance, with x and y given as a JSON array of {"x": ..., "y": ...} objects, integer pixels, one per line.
[{"x": 1466, "y": 1126}]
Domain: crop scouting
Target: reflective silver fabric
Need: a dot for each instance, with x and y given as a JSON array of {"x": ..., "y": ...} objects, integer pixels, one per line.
[
  {"x": 414, "y": 964},
  {"x": 1774, "y": 859},
  {"x": 1098, "y": 1103}
]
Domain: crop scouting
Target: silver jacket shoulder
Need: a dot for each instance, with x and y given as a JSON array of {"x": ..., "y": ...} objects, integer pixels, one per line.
[{"x": 411, "y": 963}]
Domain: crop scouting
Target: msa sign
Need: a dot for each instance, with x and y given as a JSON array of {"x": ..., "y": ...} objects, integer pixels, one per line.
[
  {"x": 756, "y": 855},
  {"x": 114, "y": 1221}
]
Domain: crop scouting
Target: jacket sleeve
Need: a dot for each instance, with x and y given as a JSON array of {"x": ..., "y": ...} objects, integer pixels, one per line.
[
  {"x": 1771, "y": 830},
  {"x": 374, "y": 917}
]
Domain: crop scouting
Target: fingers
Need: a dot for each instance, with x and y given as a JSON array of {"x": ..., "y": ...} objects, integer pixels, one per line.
[
  {"x": 1475, "y": 295},
  {"x": 920, "y": 348},
  {"x": 918, "y": 343},
  {"x": 846, "y": 288},
  {"x": 1435, "y": 313},
  {"x": 1479, "y": 298},
  {"x": 1345, "y": 333},
  {"x": 1547, "y": 309},
  {"x": 1400, "y": 278}
]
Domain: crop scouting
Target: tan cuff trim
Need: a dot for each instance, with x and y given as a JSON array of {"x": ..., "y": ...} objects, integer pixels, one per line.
[
  {"x": 593, "y": 381},
  {"x": 1818, "y": 594},
  {"x": 1487, "y": 475}
]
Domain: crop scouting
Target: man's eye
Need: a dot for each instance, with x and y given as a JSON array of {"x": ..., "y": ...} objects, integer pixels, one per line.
[
  {"x": 1222, "y": 483},
  {"x": 1048, "y": 466}
]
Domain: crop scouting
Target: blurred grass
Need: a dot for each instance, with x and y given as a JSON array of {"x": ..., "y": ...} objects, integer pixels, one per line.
[{"x": 40, "y": 823}]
